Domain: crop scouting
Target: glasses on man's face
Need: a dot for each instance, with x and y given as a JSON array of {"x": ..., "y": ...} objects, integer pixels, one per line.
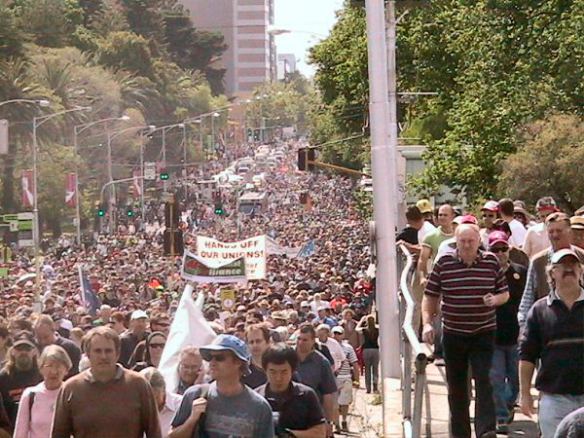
[
  {"x": 218, "y": 357},
  {"x": 157, "y": 345},
  {"x": 500, "y": 249}
]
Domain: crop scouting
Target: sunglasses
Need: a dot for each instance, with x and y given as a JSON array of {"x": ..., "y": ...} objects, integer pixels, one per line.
[
  {"x": 157, "y": 345},
  {"x": 500, "y": 249},
  {"x": 218, "y": 357}
]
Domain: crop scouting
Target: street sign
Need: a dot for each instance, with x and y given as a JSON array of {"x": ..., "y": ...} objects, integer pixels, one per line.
[
  {"x": 21, "y": 224},
  {"x": 150, "y": 171},
  {"x": 227, "y": 296}
]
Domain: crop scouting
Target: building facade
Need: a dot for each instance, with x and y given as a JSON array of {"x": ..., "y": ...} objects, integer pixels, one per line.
[{"x": 250, "y": 59}]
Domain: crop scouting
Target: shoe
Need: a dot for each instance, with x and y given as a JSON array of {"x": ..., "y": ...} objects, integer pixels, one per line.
[
  {"x": 338, "y": 429},
  {"x": 344, "y": 426},
  {"x": 502, "y": 427}
]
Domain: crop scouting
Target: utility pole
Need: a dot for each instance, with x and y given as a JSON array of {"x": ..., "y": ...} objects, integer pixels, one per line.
[{"x": 383, "y": 164}]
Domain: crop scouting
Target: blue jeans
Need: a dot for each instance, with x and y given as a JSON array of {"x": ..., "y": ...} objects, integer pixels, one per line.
[
  {"x": 504, "y": 376},
  {"x": 553, "y": 408}
]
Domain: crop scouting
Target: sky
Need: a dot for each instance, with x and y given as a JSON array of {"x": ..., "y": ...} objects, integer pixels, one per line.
[{"x": 309, "y": 21}]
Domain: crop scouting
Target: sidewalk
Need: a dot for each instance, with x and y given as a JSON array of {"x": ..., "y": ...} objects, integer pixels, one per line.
[{"x": 367, "y": 422}]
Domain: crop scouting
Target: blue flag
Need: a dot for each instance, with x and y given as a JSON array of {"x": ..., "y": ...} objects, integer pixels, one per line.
[
  {"x": 90, "y": 299},
  {"x": 308, "y": 249}
]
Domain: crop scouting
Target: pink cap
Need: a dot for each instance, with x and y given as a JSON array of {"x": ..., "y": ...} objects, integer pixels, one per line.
[
  {"x": 498, "y": 237},
  {"x": 491, "y": 206},
  {"x": 469, "y": 219}
]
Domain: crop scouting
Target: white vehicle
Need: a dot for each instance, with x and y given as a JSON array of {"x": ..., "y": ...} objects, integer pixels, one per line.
[{"x": 253, "y": 202}]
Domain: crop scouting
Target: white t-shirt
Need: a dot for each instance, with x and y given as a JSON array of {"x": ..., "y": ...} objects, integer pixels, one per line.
[
  {"x": 426, "y": 229},
  {"x": 518, "y": 233},
  {"x": 536, "y": 240},
  {"x": 447, "y": 247}
]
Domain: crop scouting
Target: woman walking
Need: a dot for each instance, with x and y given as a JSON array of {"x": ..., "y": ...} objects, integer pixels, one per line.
[{"x": 370, "y": 345}]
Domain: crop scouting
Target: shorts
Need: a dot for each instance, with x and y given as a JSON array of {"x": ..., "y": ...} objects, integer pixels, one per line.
[{"x": 345, "y": 391}]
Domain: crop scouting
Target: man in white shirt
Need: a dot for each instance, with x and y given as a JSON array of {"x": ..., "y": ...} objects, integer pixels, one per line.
[
  {"x": 536, "y": 239},
  {"x": 518, "y": 231},
  {"x": 428, "y": 212},
  {"x": 323, "y": 333}
]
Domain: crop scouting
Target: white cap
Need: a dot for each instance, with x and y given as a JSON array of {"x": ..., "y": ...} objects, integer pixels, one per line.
[{"x": 138, "y": 314}]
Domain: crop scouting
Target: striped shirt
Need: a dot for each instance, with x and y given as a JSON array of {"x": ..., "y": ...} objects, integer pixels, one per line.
[
  {"x": 462, "y": 289},
  {"x": 346, "y": 369}
]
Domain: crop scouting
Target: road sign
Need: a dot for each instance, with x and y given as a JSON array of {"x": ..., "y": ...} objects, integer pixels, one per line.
[
  {"x": 21, "y": 224},
  {"x": 227, "y": 296},
  {"x": 150, "y": 171}
]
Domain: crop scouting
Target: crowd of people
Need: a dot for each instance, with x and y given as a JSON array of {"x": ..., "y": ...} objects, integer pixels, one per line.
[
  {"x": 288, "y": 354},
  {"x": 502, "y": 298},
  {"x": 499, "y": 296}
]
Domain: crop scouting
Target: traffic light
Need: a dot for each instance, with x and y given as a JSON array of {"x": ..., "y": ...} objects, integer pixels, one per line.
[
  {"x": 219, "y": 209},
  {"x": 164, "y": 175},
  {"x": 100, "y": 211},
  {"x": 169, "y": 239},
  {"x": 306, "y": 158},
  {"x": 129, "y": 212}
]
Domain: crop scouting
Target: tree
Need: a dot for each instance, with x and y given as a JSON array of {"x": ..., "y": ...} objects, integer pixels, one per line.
[
  {"x": 127, "y": 51},
  {"x": 11, "y": 36},
  {"x": 547, "y": 163},
  {"x": 50, "y": 22}
]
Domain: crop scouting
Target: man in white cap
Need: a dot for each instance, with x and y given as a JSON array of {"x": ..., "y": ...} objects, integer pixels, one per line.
[
  {"x": 490, "y": 212},
  {"x": 225, "y": 407},
  {"x": 133, "y": 336},
  {"x": 553, "y": 335}
]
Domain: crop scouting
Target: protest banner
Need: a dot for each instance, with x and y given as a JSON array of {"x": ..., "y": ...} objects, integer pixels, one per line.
[
  {"x": 196, "y": 269},
  {"x": 253, "y": 250}
]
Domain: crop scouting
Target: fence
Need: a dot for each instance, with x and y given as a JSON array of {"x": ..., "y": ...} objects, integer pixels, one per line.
[{"x": 413, "y": 353}]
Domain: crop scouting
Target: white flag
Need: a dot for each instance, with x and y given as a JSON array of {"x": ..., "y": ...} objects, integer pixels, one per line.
[{"x": 189, "y": 327}]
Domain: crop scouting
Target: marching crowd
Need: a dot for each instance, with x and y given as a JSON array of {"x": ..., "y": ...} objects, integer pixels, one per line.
[
  {"x": 287, "y": 357},
  {"x": 502, "y": 298},
  {"x": 499, "y": 296}
]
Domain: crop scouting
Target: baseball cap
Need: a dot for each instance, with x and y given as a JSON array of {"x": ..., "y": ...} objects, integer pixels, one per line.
[
  {"x": 498, "y": 237},
  {"x": 226, "y": 343},
  {"x": 424, "y": 206},
  {"x": 323, "y": 327},
  {"x": 546, "y": 203},
  {"x": 467, "y": 219},
  {"x": 338, "y": 329},
  {"x": 559, "y": 255},
  {"x": 491, "y": 206},
  {"x": 519, "y": 207},
  {"x": 577, "y": 222},
  {"x": 138, "y": 314},
  {"x": 24, "y": 338}
]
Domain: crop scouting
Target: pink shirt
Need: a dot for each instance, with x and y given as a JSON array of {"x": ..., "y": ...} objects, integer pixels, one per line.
[{"x": 39, "y": 426}]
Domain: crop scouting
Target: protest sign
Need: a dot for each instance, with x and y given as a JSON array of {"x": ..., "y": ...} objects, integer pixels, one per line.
[
  {"x": 227, "y": 296},
  {"x": 194, "y": 268},
  {"x": 253, "y": 250}
]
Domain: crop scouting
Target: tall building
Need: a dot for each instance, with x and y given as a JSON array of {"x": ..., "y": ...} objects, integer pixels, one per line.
[
  {"x": 250, "y": 59},
  {"x": 286, "y": 64}
]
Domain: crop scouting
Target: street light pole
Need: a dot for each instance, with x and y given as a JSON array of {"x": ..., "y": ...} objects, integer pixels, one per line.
[
  {"x": 383, "y": 156},
  {"x": 36, "y": 123}
]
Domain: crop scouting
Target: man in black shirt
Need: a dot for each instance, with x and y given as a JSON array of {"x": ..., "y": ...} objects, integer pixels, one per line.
[
  {"x": 504, "y": 369},
  {"x": 132, "y": 337},
  {"x": 257, "y": 337},
  {"x": 553, "y": 334},
  {"x": 409, "y": 235},
  {"x": 297, "y": 411},
  {"x": 19, "y": 372},
  {"x": 46, "y": 335}
]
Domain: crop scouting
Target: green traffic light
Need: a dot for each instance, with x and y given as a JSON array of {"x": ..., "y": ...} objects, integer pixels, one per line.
[
  {"x": 219, "y": 211},
  {"x": 130, "y": 213},
  {"x": 101, "y": 212},
  {"x": 164, "y": 176}
]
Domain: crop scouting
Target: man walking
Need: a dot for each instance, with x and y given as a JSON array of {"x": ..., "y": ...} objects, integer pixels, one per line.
[
  {"x": 225, "y": 407},
  {"x": 504, "y": 370},
  {"x": 537, "y": 286},
  {"x": 553, "y": 335},
  {"x": 106, "y": 400},
  {"x": 471, "y": 284}
]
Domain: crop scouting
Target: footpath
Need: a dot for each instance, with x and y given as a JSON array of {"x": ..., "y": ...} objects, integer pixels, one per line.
[{"x": 366, "y": 420}]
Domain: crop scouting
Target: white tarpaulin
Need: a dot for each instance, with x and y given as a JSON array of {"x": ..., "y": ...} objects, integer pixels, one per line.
[
  {"x": 189, "y": 327},
  {"x": 253, "y": 249}
]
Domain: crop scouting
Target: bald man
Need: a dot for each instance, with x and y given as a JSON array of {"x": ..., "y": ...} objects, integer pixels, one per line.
[{"x": 471, "y": 284}]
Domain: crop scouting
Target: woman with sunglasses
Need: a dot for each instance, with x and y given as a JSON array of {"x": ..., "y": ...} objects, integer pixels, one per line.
[{"x": 155, "y": 343}]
